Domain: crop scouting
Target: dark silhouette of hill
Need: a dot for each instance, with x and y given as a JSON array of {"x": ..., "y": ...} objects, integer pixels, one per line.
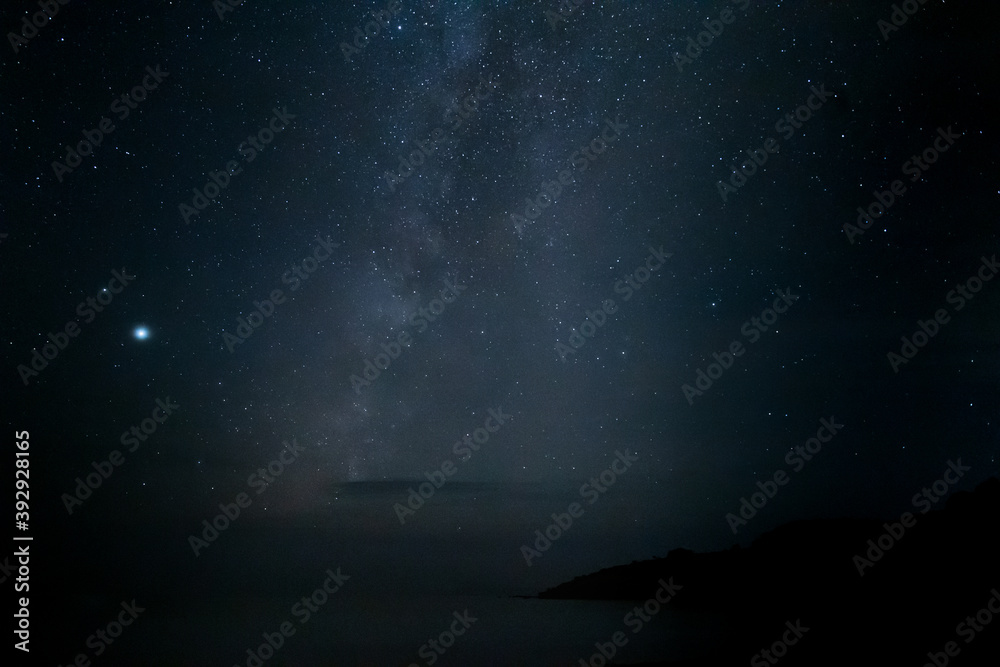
[{"x": 910, "y": 601}]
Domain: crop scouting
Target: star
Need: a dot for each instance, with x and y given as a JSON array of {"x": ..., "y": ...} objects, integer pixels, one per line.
[{"x": 141, "y": 333}]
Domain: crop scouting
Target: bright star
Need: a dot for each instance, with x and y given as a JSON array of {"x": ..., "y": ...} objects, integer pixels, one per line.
[{"x": 142, "y": 333}]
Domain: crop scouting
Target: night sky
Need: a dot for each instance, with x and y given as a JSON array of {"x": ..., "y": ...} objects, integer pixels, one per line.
[{"x": 489, "y": 248}]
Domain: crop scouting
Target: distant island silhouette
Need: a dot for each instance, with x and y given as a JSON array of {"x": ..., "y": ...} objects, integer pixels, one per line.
[{"x": 871, "y": 592}]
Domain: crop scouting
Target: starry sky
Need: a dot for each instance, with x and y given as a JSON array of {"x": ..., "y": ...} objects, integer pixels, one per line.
[{"x": 563, "y": 158}]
